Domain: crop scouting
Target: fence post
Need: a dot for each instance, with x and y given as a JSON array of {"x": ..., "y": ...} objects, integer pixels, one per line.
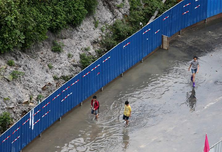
[
  {"x": 141, "y": 60},
  {"x": 165, "y": 42}
]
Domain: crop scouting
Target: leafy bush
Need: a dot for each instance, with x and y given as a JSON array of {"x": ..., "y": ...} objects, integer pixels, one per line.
[
  {"x": 100, "y": 52},
  {"x": 86, "y": 60},
  {"x": 11, "y": 63},
  {"x": 108, "y": 41},
  {"x": 140, "y": 12},
  {"x": 90, "y": 6},
  {"x": 16, "y": 74},
  {"x": 5, "y": 121},
  {"x": 57, "y": 47},
  {"x": 24, "y": 22}
]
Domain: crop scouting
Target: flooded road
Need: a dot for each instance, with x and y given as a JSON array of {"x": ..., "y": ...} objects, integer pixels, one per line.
[{"x": 167, "y": 113}]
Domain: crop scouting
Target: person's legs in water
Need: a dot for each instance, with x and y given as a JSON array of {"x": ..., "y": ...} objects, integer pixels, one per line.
[
  {"x": 126, "y": 119},
  {"x": 193, "y": 76},
  {"x": 96, "y": 114}
]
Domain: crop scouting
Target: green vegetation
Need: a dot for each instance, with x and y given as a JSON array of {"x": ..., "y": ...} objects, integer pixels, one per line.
[
  {"x": 86, "y": 60},
  {"x": 87, "y": 49},
  {"x": 6, "y": 99},
  {"x": 120, "y": 5},
  {"x": 103, "y": 28},
  {"x": 57, "y": 47},
  {"x": 100, "y": 52},
  {"x": 66, "y": 78},
  {"x": 96, "y": 22},
  {"x": 24, "y": 22},
  {"x": 39, "y": 97},
  {"x": 16, "y": 74},
  {"x": 55, "y": 77},
  {"x": 5, "y": 121},
  {"x": 11, "y": 63},
  {"x": 30, "y": 97},
  {"x": 70, "y": 55},
  {"x": 139, "y": 13},
  {"x": 50, "y": 66}
]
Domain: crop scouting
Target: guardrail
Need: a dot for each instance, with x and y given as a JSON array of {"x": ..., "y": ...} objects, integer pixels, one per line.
[
  {"x": 105, "y": 69},
  {"x": 216, "y": 147}
]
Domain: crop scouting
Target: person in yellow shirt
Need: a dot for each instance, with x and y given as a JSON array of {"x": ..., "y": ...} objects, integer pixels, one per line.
[{"x": 127, "y": 112}]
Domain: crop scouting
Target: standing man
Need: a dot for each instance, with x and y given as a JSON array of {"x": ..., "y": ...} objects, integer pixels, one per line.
[
  {"x": 95, "y": 107},
  {"x": 194, "y": 69},
  {"x": 127, "y": 113}
]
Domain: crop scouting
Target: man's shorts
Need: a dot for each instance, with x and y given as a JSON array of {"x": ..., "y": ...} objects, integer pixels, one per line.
[
  {"x": 194, "y": 70},
  {"x": 125, "y": 117},
  {"x": 95, "y": 112}
]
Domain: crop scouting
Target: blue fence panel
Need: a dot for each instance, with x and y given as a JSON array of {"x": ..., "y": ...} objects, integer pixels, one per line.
[
  {"x": 176, "y": 18},
  {"x": 156, "y": 33},
  {"x": 167, "y": 23},
  {"x": 107, "y": 61},
  {"x": 125, "y": 53},
  {"x": 146, "y": 40},
  {"x": 214, "y": 7},
  {"x": 186, "y": 15},
  {"x": 105, "y": 69},
  {"x": 199, "y": 10}
]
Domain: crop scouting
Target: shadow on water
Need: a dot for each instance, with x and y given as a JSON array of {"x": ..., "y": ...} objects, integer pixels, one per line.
[{"x": 191, "y": 100}]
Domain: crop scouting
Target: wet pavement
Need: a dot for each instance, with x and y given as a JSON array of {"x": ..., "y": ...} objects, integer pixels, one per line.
[{"x": 167, "y": 113}]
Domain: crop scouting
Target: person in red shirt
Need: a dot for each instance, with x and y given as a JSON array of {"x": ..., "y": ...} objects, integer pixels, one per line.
[{"x": 95, "y": 107}]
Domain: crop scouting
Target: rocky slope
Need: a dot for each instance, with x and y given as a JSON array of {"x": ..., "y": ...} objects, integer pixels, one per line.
[{"x": 18, "y": 96}]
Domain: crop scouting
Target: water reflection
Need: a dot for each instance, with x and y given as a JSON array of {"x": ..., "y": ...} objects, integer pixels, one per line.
[
  {"x": 125, "y": 139},
  {"x": 191, "y": 100}
]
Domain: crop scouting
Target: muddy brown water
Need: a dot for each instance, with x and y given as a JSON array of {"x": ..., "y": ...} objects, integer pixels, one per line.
[{"x": 167, "y": 113}]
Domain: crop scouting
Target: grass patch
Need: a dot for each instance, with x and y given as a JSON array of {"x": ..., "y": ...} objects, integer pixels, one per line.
[
  {"x": 66, "y": 78},
  {"x": 16, "y": 74},
  {"x": 57, "y": 47},
  {"x": 87, "y": 49},
  {"x": 96, "y": 22},
  {"x": 39, "y": 97},
  {"x": 55, "y": 77},
  {"x": 11, "y": 63},
  {"x": 70, "y": 55},
  {"x": 6, "y": 99},
  {"x": 120, "y": 5},
  {"x": 50, "y": 66}
]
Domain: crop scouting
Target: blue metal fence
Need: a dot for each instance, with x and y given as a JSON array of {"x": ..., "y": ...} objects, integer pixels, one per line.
[
  {"x": 108, "y": 67},
  {"x": 214, "y": 7}
]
